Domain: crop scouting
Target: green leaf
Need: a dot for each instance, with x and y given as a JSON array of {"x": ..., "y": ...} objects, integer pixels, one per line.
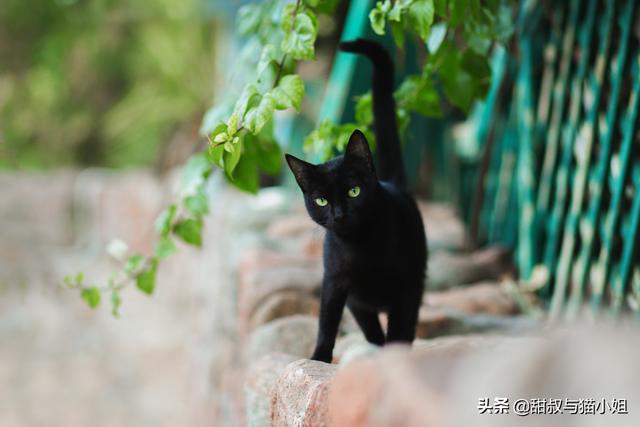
[
  {"x": 457, "y": 9},
  {"x": 164, "y": 221},
  {"x": 440, "y": 7},
  {"x": 232, "y": 156},
  {"x": 245, "y": 176},
  {"x": 91, "y": 296},
  {"x": 420, "y": 17},
  {"x": 195, "y": 171},
  {"x": 286, "y": 23},
  {"x": 437, "y": 35},
  {"x": 268, "y": 156},
  {"x": 249, "y": 18},
  {"x": 479, "y": 70},
  {"x": 165, "y": 248},
  {"x": 504, "y": 23},
  {"x": 479, "y": 31},
  {"x": 404, "y": 119},
  {"x": 197, "y": 203},
  {"x": 322, "y": 140},
  {"x": 146, "y": 281},
  {"x": 116, "y": 301},
  {"x": 215, "y": 155},
  {"x": 458, "y": 93},
  {"x": 134, "y": 263},
  {"x": 476, "y": 65},
  {"x": 267, "y": 57},
  {"x": 215, "y": 115},
  {"x": 397, "y": 32},
  {"x": 377, "y": 19},
  {"x": 221, "y": 137},
  {"x": 395, "y": 13},
  {"x": 249, "y": 97},
  {"x": 329, "y": 137},
  {"x": 465, "y": 76},
  {"x": 190, "y": 231},
  {"x": 232, "y": 124},
  {"x": 288, "y": 93},
  {"x": 258, "y": 116},
  {"x": 322, "y": 6},
  {"x": 79, "y": 278},
  {"x": 364, "y": 109},
  {"x": 417, "y": 93},
  {"x": 220, "y": 129},
  {"x": 299, "y": 40}
]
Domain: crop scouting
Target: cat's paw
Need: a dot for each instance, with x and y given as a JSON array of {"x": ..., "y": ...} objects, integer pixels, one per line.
[{"x": 322, "y": 356}]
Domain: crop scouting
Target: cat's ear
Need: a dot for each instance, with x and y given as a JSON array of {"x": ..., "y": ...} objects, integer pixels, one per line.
[
  {"x": 358, "y": 150},
  {"x": 302, "y": 171}
]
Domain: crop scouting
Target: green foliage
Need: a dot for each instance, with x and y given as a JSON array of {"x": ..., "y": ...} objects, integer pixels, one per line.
[
  {"x": 146, "y": 280},
  {"x": 116, "y": 301},
  {"x": 289, "y": 93},
  {"x": 197, "y": 204},
  {"x": 329, "y": 136},
  {"x": 243, "y": 145},
  {"x": 164, "y": 221},
  {"x": 189, "y": 230},
  {"x": 412, "y": 15},
  {"x": 456, "y": 33},
  {"x": 300, "y": 30},
  {"x": 165, "y": 248},
  {"x": 134, "y": 263},
  {"x": 97, "y": 82},
  {"x": 91, "y": 296}
]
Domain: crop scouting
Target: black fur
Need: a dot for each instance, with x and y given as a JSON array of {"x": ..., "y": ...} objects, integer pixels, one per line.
[{"x": 375, "y": 249}]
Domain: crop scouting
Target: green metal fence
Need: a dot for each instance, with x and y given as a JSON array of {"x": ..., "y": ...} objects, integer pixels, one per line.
[{"x": 563, "y": 176}]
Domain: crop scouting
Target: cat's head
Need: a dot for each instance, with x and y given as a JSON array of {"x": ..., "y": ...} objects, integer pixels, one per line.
[{"x": 340, "y": 194}]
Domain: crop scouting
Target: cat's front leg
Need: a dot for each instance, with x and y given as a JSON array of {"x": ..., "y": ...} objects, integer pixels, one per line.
[{"x": 332, "y": 304}]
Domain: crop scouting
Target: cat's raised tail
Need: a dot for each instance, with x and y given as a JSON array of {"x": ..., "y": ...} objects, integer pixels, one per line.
[{"x": 390, "y": 164}]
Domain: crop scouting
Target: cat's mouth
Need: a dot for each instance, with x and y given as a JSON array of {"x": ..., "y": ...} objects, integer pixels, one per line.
[{"x": 341, "y": 226}]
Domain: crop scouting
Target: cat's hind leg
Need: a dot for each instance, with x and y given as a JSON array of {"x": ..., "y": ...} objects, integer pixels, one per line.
[
  {"x": 369, "y": 323},
  {"x": 403, "y": 317}
]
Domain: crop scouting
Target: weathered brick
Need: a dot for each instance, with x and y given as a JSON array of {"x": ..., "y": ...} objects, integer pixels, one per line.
[
  {"x": 488, "y": 298},
  {"x": 260, "y": 378},
  {"x": 295, "y": 335},
  {"x": 449, "y": 269},
  {"x": 263, "y": 273},
  {"x": 299, "y": 397},
  {"x": 443, "y": 226},
  {"x": 398, "y": 387},
  {"x": 284, "y": 303}
]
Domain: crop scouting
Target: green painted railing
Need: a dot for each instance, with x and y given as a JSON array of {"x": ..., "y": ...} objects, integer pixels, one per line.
[{"x": 563, "y": 185}]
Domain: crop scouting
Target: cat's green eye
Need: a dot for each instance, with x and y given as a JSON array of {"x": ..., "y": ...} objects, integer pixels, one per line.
[
  {"x": 354, "y": 192},
  {"x": 321, "y": 201}
]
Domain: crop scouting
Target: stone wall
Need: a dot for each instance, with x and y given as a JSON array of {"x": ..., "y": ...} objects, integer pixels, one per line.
[
  {"x": 224, "y": 339},
  {"x": 62, "y": 364}
]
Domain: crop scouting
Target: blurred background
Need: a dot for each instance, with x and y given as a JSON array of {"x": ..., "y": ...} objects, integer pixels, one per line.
[
  {"x": 102, "y": 83},
  {"x": 530, "y": 200},
  {"x": 101, "y": 103}
]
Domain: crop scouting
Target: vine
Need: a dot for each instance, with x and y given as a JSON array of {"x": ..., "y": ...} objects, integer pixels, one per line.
[
  {"x": 240, "y": 133},
  {"x": 455, "y": 73}
]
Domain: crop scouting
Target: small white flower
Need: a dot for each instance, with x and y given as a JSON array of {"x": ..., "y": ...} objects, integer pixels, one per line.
[{"x": 117, "y": 249}]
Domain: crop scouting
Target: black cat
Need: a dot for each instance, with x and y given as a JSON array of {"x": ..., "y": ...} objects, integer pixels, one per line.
[{"x": 375, "y": 250}]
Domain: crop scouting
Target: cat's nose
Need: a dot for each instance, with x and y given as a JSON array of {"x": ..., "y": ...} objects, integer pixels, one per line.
[{"x": 338, "y": 214}]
